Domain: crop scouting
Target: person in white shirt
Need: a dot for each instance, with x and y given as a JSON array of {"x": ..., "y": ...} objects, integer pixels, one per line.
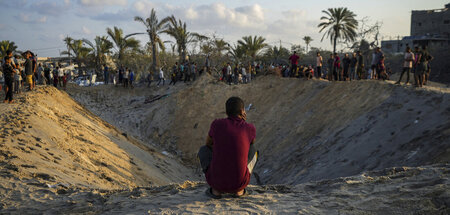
[
  {"x": 407, "y": 65},
  {"x": 61, "y": 77},
  {"x": 161, "y": 77},
  {"x": 229, "y": 73},
  {"x": 244, "y": 75}
]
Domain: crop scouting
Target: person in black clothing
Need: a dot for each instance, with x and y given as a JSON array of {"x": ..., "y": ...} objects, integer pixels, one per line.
[
  {"x": 346, "y": 61},
  {"x": 8, "y": 72},
  {"x": 353, "y": 64}
]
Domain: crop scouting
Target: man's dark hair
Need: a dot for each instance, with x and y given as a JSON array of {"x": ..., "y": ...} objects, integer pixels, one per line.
[
  {"x": 8, "y": 52},
  {"x": 234, "y": 105}
]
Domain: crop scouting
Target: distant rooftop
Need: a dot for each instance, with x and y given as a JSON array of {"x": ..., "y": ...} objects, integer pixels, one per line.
[{"x": 447, "y": 7}]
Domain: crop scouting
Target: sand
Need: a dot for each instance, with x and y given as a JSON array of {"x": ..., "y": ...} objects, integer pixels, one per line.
[{"x": 365, "y": 147}]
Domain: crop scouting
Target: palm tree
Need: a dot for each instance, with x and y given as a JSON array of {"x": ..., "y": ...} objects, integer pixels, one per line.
[
  {"x": 154, "y": 29},
  {"x": 177, "y": 29},
  {"x": 122, "y": 43},
  {"x": 307, "y": 40},
  {"x": 6, "y": 45},
  {"x": 252, "y": 45},
  {"x": 237, "y": 52},
  {"x": 68, "y": 40},
  {"x": 100, "y": 48},
  {"x": 80, "y": 52},
  {"x": 220, "y": 46},
  {"x": 341, "y": 24}
]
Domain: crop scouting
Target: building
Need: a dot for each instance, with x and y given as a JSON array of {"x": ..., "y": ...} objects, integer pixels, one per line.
[
  {"x": 431, "y": 22},
  {"x": 430, "y": 28}
]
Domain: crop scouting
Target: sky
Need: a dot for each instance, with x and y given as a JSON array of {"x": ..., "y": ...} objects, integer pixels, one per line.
[{"x": 41, "y": 25}]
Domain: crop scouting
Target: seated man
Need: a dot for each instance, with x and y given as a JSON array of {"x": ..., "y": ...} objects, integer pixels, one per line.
[{"x": 229, "y": 157}]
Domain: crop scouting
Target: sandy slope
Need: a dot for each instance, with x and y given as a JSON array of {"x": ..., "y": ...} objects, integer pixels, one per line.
[
  {"x": 423, "y": 190},
  {"x": 327, "y": 148},
  {"x": 47, "y": 138},
  {"x": 306, "y": 130}
]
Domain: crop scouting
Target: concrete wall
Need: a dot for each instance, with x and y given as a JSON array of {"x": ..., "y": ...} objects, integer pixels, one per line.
[{"x": 430, "y": 22}]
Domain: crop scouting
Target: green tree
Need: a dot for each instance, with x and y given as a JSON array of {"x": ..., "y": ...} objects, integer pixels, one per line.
[
  {"x": 122, "y": 43},
  {"x": 276, "y": 54},
  {"x": 68, "y": 40},
  {"x": 6, "y": 45},
  {"x": 252, "y": 45},
  {"x": 237, "y": 52},
  {"x": 307, "y": 40},
  {"x": 154, "y": 29},
  {"x": 79, "y": 51},
  {"x": 340, "y": 24},
  {"x": 178, "y": 30},
  {"x": 99, "y": 49}
]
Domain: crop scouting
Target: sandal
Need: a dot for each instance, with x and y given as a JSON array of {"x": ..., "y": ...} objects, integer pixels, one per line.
[{"x": 210, "y": 194}]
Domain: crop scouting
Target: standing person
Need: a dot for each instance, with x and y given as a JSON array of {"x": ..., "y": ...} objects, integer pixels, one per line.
[
  {"x": 207, "y": 65},
  {"x": 187, "y": 72},
  {"x": 55, "y": 77},
  {"x": 18, "y": 81},
  {"x": 126, "y": 73},
  {"x": 229, "y": 156},
  {"x": 106, "y": 74},
  {"x": 33, "y": 59},
  {"x": 427, "y": 73},
  {"x": 380, "y": 58},
  {"x": 422, "y": 66},
  {"x": 161, "y": 77},
  {"x": 244, "y": 75},
  {"x": 337, "y": 67},
  {"x": 173, "y": 76},
  {"x": 294, "y": 62},
  {"x": 360, "y": 65},
  {"x": 374, "y": 64},
  {"x": 8, "y": 74},
  {"x": 229, "y": 74},
  {"x": 236, "y": 74},
  {"x": 61, "y": 77},
  {"x": 121, "y": 74},
  {"x": 330, "y": 67},
  {"x": 47, "y": 74},
  {"x": 407, "y": 65},
  {"x": 28, "y": 70},
  {"x": 353, "y": 65},
  {"x": 346, "y": 61},
  {"x": 319, "y": 62},
  {"x": 40, "y": 70},
  {"x": 131, "y": 78},
  {"x": 249, "y": 72},
  {"x": 193, "y": 71}
]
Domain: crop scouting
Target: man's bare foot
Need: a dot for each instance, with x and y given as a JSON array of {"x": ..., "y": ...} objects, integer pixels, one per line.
[
  {"x": 6, "y": 101},
  {"x": 12, "y": 101},
  {"x": 240, "y": 193}
]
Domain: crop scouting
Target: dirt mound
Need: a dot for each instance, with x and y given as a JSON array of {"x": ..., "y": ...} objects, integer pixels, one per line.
[
  {"x": 306, "y": 130},
  {"x": 48, "y": 139}
]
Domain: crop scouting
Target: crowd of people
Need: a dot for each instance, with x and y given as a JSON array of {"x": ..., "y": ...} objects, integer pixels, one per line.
[
  {"x": 23, "y": 72},
  {"x": 352, "y": 67}
]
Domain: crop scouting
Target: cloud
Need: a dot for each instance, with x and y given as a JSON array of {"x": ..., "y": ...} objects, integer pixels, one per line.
[
  {"x": 48, "y": 8},
  {"x": 86, "y": 30},
  {"x": 103, "y": 2},
  {"x": 28, "y": 18}
]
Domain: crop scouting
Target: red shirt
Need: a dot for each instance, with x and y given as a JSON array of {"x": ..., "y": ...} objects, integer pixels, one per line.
[
  {"x": 228, "y": 170},
  {"x": 294, "y": 59}
]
